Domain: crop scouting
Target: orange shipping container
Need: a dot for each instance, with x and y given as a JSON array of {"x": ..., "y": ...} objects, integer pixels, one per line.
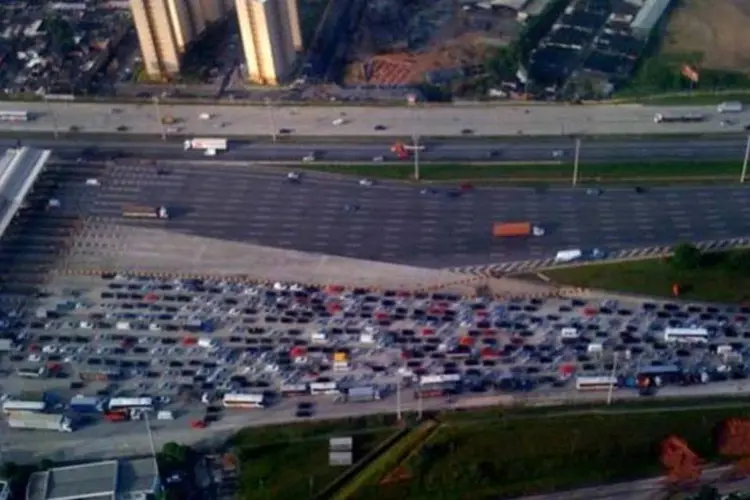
[{"x": 505, "y": 229}]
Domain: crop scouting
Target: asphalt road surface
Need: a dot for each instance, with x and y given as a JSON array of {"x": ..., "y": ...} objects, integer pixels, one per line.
[
  {"x": 728, "y": 148},
  {"x": 397, "y": 223},
  {"x": 456, "y": 120}
]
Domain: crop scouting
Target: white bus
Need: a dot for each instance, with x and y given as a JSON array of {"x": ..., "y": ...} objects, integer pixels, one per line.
[
  {"x": 596, "y": 383},
  {"x": 11, "y": 406},
  {"x": 686, "y": 335},
  {"x": 127, "y": 403},
  {"x": 324, "y": 388},
  {"x": 14, "y": 116},
  {"x": 440, "y": 379},
  {"x": 238, "y": 400}
]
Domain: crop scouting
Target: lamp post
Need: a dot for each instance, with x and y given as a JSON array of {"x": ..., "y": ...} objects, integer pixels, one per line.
[
  {"x": 576, "y": 157},
  {"x": 271, "y": 118},
  {"x": 743, "y": 175},
  {"x": 160, "y": 119},
  {"x": 415, "y": 143},
  {"x": 53, "y": 114}
]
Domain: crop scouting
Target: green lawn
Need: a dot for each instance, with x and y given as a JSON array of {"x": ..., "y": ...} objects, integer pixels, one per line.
[
  {"x": 692, "y": 99},
  {"x": 510, "y": 456},
  {"x": 292, "y": 461},
  {"x": 622, "y": 173},
  {"x": 718, "y": 279}
]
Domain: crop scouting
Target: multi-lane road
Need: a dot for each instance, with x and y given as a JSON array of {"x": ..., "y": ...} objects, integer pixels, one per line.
[
  {"x": 506, "y": 150},
  {"x": 398, "y": 223},
  {"x": 443, "y": 121}
]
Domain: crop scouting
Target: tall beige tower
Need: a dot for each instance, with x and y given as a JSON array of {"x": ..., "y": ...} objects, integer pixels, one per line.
[
  {"x": 167, "y": 27},
  {"x": 271, "y": 38}
]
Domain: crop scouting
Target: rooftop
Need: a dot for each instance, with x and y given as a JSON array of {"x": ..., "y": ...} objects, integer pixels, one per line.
[{"x": 105, "y": 480}]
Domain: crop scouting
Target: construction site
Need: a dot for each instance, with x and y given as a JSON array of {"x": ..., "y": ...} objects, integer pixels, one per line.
[{"x": 415, "y": 41}]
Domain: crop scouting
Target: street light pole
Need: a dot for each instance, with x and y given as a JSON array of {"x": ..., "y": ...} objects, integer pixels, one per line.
[
  {"x": 576, "y": 156},
  {"x": 160, "y": 119},
  {"x": 151, "y": 441},
  {"x": 271, "y": 118},
  {"x": 415, "y": 142},
  {"x": 612, "y": 376},
  {"x": 398, "y": 400},
  {"x": 744, "y": 161},
  {"x": 53, "y": 114}
]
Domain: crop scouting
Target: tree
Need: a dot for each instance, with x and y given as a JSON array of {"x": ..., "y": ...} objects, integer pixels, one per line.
[
  {"x": 740, "y": 261},
  {"x": 60, "y": 34},
  {"x": 686, "y": 256},
  {"x": 174, "y": 455},
  {"x": 733, "y": 441}
]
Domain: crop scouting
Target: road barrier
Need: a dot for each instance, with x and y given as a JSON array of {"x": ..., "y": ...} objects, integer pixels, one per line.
[{"x": 532, "y": 266}]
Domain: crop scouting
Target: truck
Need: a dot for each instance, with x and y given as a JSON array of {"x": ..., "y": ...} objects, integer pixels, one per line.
[
  {"x": 145, "y": 212},
  {"x": 362, "y": 394},
  {"x": 13, "y": 406},
  {"x": 210, "y": 145},
  {"x": 681, "y": 118},
  {"x": 40, "y": 421},
  {"x": 515, "y": 229},
  {"x": 86, "y": 404},
  {"x": 730, "y": 107}
]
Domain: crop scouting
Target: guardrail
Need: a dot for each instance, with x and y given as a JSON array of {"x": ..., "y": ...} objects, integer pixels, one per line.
[{"x": 529, "y": 266}]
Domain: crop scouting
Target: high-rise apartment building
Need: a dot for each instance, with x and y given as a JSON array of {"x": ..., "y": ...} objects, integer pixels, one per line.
[
  {"x": 271, "y": 38},
  {"x": 167, "y": 27}
]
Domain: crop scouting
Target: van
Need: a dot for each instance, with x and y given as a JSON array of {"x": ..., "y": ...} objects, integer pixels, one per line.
[
  {"x": 122, "y": 325},
  {"x": 165, "y": 415},
  {"x": 730, "y": 107}
]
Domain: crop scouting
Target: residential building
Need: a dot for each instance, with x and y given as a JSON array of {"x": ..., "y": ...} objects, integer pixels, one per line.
[
  {"x": 271, "y": 38},
  {"x": 166, "y": 28}
]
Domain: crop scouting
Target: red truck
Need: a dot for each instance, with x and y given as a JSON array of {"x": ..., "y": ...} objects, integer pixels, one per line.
[
  {"x": 515, "y": 229},
  {"x": 116, "y": 416}
]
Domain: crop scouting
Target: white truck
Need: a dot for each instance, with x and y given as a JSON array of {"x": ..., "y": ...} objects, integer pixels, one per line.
[
  {"x": 40, "y": 421},
  {"x": 145, "y": 212},
  {"x": 730, "y": 107},
  {"x": 210, "y": 146}
]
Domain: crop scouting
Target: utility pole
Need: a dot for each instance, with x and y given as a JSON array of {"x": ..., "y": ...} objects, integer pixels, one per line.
[
  {"x": 151, "y": 441},
  {"x": 53, "y": 114},
  {"x": 398, "y": 400},
  {"x": 744, "y": 161},
  {"x": 271, "y": 118},
  {"x": 612, "y": 375},
  {"x": 420, "y": 407},
  {"x": 576, "y": 157},
  {"x": 415, "y": 143},
  {"x": 160, "y": 119}
]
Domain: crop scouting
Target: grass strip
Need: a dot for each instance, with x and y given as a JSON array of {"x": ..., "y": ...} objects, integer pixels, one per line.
[
  {"x": 721, "y": 277},
  {"x": 534, "y": 172},
  {"x": 388, "y": 460}
]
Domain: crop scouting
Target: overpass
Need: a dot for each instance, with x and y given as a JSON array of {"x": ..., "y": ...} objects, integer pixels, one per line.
[{"x": 19, "y": 170}]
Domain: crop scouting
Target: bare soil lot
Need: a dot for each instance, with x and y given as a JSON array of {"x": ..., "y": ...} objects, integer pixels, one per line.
[{"x": 716, "y": 30}]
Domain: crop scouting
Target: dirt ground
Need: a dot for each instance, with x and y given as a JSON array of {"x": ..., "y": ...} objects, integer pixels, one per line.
[{"x": 717, "y": 29}]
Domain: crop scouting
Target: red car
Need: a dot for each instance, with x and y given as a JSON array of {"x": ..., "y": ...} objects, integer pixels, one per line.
[{"x": 466, "y": 187}]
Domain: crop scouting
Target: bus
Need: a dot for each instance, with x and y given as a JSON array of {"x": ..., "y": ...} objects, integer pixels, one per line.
[
  {"x": 596, "y": 383},
  {"x": 14, "y": 116},
  {"x": 12, "y": 406},
  {"x": 134, "y": 403},
  {"x": 686, "y": 335},
  {"x": 240, "y": 400},
  {"x": 324, "y": 388}
]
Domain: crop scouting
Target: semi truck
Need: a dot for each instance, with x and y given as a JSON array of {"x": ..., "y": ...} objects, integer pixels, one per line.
[
  {"x": 681, "y": 118},
  {"x": 145, "y": 212},
  {"x": 86, "y": 404},
  {"x": 363, "y": 394},
  {"x": 209, "y": 145},
  {"x": 40, "y": 421},
  {"x": 515, "y": 229},
  {"x": 730, "y": 107}
]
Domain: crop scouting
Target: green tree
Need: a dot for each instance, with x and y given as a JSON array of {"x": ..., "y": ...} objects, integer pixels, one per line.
[
  {"x": 686, "y": 256},
  {"x": 60, "y": 34},
  {"x": 174, "y": 455}
]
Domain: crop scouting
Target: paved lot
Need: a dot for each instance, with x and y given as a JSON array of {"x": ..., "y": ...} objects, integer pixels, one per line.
[
  {"x": 318, "y": 121},
  {"x": 396, "y": 223}
]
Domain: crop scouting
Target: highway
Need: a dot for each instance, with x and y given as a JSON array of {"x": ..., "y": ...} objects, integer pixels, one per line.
[
  {"x": 600, "y": 150},
  {"x": 397, "y": 223},
  {"x": 311, "y": 121}
]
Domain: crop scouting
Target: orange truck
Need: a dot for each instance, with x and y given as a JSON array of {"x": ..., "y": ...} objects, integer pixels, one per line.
[{"x": 515, "y": 229}]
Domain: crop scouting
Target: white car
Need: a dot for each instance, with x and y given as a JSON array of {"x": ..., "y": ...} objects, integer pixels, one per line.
[
  {"x": 34, "y": 358},
  {"x": 308, "y": 158},
  {"x": 558, "y": 153},
  {"x": 378, "y": 159},
  {"x": 293, "y": 176},
  {"x": 366, "y": 182}
]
